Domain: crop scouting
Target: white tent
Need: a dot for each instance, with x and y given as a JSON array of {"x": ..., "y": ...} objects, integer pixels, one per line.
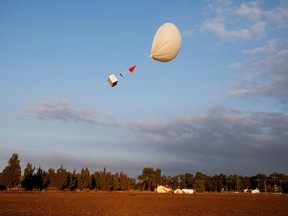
[
  {"x": 255, "y": 191},
  {"x": 163, "y": 189},
  {"x": 178, "y": 191},
  {"x": 188, "y": 191}
]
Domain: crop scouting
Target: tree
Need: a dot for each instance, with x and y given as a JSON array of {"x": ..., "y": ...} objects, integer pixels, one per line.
[
  {"x": 124, "y": 181},
  {"x": 72, "y": 180},
  {"x": 109, "y": 181},
  {"x": 85, "y": 178},
  {"x": 189, "y": 180},
  {"x": 10, "y": 176},
  {"x": 116, "y": 182},
  {"x": 210, "y": 184},
  {"x": 49, "y": 180},
  {"x": 150, "y": 178},
  {"x": 102, "y": 180},
  {"x": 186, "y": 180},
  {"x": 97, "y": 180},
  {"x": 199, "y": 182},
  {"x": 220, "y": 181},
  {"x": 38, "y": 178},
  {"x": 27, "y": 182},
  {"x": 61, "y": 178}
]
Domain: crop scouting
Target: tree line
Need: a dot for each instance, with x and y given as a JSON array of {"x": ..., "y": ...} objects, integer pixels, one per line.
[{"x": 61, "y": 179}]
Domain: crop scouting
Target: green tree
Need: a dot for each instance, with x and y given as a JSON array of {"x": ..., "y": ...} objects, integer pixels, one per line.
[
  {"x": 85, "y": 178},
  {"x": 109, "y": 181},
  {"x": 210, "y": 184},
  {"x": 124, "y": 181},
  {"x": 220, "y": 181},
  {"x": 27, "y": 182},
  {"x": 38, "y": 178},
  {"x": 97, "y": 180},
  {"x": 182, "y": 181},
  {"x": 116, "y": 182},
  {"x": 150, "y": 178},
  {"x": 186, "y": 180},
  {"x": 102, "y": 180},
  {"x": 158, "y": 177},
  {"x": 49, "y": 180},
  {"x": 132, "y": 184},
  {"x": 61, "y": 178},
  {"x": 72, "y": 181},
  {"x": 11, "y": 174},
  {"x": 245, "y": 182},
  {"x": 172, "y": 181},
  {"x": 199, "y": 182}
]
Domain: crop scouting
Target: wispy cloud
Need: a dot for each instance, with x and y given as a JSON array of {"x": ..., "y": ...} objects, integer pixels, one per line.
[
  {"x": 63, "y": 110},
  {"x": 279, "y": 15},
  {"x": 234, "y": 22},
  {"x": 262, "y": 68},
  {"x": 269, "y": 75},
  {"x": 249, "y": 10},
  {"x": 218, "y": 27},
  {"x": 224, "y": 135},
  {"x": 269, "y": 47},
  {"x": 195, "y": 142}
]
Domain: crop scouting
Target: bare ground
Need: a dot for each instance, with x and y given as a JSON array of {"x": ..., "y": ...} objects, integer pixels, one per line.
[{"x": 137, "y": 203}]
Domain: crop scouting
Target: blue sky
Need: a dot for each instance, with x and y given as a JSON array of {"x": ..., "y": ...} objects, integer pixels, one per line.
[{"x": 219, "y": 107}]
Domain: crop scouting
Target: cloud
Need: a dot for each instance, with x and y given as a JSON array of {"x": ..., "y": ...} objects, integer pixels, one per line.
[
  {"x": 228, "y": 23},
  {"x": 62, "y": 110},
  {"x": 269, "y": 75},
  {"x": 269, "y": 47},
  {"x": 222, "y": 140},
  {"x": 218, "y": 27},
  {"x": 250, "y": 10},
  {"x": 222, "y": 137},
  {"x": 279, "y": 15}
]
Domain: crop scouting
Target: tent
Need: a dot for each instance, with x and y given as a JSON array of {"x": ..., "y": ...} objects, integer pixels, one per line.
[
  {"x": 188, "y": 191},
  {"x": 178, "y": 191},
  {"x": 163, "y": 189}
]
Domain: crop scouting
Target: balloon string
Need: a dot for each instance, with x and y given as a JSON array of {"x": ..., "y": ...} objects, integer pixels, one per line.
[{"x": 123, "y": 73}]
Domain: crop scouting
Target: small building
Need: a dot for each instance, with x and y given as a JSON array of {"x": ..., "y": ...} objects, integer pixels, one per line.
[{"x": 112, "y": 80}]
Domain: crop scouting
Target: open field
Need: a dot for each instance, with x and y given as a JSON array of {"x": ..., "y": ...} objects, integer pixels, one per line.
[{"x": 130, "y": 203}]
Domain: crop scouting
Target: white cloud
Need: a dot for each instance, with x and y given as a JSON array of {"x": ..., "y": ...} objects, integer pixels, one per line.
[
  {"x": 61, "y": 109},
  {"x": 235, "y": 65},
  {"x": 250, "y": 10},
  {"x": 228, "y": 22},
  {"x": 269, "y": 47},
  {"x": 218, "y": 27},
  {"x": 279, "y": 15},
  {"x": 268, "y": 76}
]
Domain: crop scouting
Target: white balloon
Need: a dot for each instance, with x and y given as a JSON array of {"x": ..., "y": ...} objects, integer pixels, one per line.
[{"x": 166, "y": 44}]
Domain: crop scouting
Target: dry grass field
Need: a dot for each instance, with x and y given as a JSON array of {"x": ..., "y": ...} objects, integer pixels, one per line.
[{"x": 137, "y": 203}]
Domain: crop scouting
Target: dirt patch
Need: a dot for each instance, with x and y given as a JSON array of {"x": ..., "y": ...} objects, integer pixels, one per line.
[{"x": 102, "y": 203}]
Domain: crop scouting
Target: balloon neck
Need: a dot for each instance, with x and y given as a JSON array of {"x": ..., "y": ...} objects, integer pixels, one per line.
[{"x": 150, "y": 56}]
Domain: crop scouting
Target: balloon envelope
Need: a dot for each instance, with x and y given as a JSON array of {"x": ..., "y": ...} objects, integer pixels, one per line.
[{"x": 166, "y": 43}]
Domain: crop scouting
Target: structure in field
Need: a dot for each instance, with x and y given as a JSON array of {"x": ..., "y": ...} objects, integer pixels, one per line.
[
  {"x": 255, "y": 191},
  {"x": 163, "y": 189},
  {"x": 188, "y": 191},
  {"x": 184, "y": 191},
  {"x": 178, "y": 191}
]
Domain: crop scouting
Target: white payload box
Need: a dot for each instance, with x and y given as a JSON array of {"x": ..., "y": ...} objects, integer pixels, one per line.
[{"x": 112, "y": 80}]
